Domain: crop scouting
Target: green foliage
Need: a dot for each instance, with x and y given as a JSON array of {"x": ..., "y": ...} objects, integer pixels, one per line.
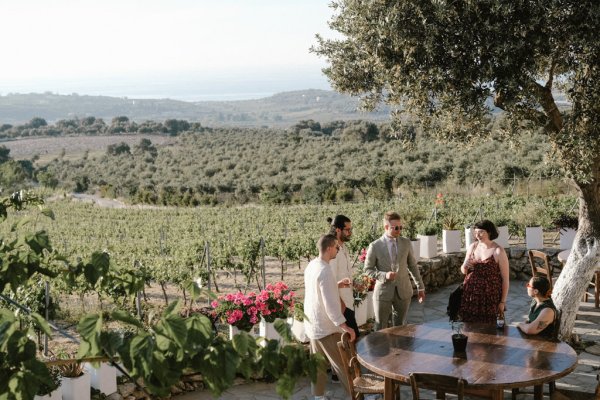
[
  {"x": 444, "y": 68},
  {"x": 22, "y": 375},
  {"x": 156, "y": 351}
]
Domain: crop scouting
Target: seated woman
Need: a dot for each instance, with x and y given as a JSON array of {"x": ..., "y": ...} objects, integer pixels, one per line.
[{"x": 542, "y": 312}]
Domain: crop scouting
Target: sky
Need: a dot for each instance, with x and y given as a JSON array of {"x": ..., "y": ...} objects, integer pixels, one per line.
[{"x": 186, "y": 49}]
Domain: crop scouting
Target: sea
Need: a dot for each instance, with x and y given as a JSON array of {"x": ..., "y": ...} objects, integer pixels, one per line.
[{"x": 191, "y": 87}]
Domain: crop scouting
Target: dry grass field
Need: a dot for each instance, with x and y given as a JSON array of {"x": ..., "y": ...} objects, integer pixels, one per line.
[{"x": 74, "y": 147}]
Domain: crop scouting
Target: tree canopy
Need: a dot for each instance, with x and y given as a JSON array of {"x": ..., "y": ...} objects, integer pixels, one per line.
[{"x": 448, "y": 63}]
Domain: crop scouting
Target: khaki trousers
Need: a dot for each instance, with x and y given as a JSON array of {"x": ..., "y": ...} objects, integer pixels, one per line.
[
  {"x": 383, "y": 309},
  {"x": 327, "y": 346}
]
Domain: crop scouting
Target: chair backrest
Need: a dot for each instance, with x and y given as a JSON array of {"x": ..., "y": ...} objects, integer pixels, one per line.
[
  {"x": 348, "y": 355},
  {"x": 539, "y": 264},
  {"x": 557, "y": 320},
  {"x": 436, "y": 382}
]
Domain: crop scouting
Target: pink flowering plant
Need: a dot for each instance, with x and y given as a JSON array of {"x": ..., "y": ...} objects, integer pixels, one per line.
[
  {"x": 275, "y": 301},
  {"x": 237, "y": 309},
  {"x": 362, "y": 284}
]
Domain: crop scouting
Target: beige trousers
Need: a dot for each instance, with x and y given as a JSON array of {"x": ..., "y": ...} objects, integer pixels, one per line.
[{"x": 327, "y": 346}]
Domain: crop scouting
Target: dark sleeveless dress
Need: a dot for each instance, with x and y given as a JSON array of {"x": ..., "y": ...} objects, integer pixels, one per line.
[
  {"x": 534, "y": 312},
  {"x": 482, "y": 291}
]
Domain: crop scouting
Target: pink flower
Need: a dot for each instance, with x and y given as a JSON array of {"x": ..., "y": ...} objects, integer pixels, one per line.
[{"x": 363, "y": 255}]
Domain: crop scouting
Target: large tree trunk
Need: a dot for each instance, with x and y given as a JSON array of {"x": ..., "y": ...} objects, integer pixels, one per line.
[{"x": 584, "y": 259}]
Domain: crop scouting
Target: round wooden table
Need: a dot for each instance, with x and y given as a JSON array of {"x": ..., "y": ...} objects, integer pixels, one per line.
[
  {"x": 495, "y": 359},
  {"x": 563, "y": 256}
]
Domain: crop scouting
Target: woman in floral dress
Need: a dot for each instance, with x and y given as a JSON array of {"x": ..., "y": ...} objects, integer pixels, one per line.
[{"x": 487, "y": 278}]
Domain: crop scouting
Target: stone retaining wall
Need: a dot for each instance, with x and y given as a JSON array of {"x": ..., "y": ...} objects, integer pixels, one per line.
[{"x": 444, "y": 269}]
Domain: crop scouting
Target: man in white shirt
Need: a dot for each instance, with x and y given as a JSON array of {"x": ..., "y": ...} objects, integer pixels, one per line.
[
  {"x": 325, "y": 322},
  {"x": 341, "y": 228}
]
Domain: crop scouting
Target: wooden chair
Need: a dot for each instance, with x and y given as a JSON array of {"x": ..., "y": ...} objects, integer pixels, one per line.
[
  {"x": 554, "y": 337},
  {"x": 594, "y": 284},
  {"x": 359, "y": 384},
  {"x": 568, "y": 394},
  {"x": 539, "y": 265},
  {"x": 443, "y": 384},
  {"x": 439, "y": 383}
]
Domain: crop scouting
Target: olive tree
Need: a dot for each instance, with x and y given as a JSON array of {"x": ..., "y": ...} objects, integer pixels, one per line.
[{"x": 447, "y": 64}]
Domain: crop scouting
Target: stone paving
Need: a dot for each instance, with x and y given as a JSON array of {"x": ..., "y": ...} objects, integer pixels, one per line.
[{"x": 583, "y": 379}]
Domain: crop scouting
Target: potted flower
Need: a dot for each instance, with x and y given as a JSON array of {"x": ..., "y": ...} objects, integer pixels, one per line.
[
  {"x": 238, "y": 310},
  {"x": 296, "y": 322},
  {"x": 503, "y": 235},
  {"x": 459, "y": 340},
  {"x": 103, "y": 377},
  {"x": 75, "y": 382},
  {"x": 371, "y": 286},
  {"x": 451, "y": 241},
  {"x": 360, "y": 290},
  {"x": 411, "y": 219},
  {"x": 567, "y": 227},
  {"x": 428, "y": 239},
  {"x": 528, "y": 217},
  {"x": 274, "y": 302},
  {"x": 53, "y": 390}
]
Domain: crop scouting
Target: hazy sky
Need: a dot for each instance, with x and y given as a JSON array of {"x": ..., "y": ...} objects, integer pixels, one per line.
[{"x": 154, "y": 45}]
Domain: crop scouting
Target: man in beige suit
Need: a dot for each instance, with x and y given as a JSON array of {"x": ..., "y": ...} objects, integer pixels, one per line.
[{"x": 390, "y": 260}]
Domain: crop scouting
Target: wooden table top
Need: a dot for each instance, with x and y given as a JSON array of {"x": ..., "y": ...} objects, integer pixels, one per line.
[{"x": 495, "y": 358}]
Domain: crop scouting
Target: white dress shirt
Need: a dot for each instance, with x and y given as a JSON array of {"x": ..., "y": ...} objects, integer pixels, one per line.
[
  {"x": 391, "y": 244},
  {"x": 321, "y": 301}
]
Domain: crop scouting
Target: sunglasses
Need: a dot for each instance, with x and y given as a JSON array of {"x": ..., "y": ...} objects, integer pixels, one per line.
[{"x": 396, "y": 228}]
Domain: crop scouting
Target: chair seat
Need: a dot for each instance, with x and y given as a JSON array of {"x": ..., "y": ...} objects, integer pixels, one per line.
[{"x": 368, "y": 383}]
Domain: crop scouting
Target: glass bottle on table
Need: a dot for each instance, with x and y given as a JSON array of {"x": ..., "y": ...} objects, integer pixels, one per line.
[{"x": 500, "y": 322}]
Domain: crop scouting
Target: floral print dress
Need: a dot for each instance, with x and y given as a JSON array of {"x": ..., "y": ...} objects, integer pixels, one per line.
[{"x": 482, "y": 291}]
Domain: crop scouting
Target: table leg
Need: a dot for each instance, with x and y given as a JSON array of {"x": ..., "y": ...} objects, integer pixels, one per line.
[
  {"x": 497, "y": 394},
  {"x": 538, "y": 392},
  {"x": 388, "y": 388}
]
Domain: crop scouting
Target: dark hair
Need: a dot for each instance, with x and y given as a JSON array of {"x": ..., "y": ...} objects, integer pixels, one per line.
[
  {"x": 487, "y": 226},
  {"x": 325, "y": 242},
  {"x": 338, "y": 222},
  {"x": 542, "y": 284}
]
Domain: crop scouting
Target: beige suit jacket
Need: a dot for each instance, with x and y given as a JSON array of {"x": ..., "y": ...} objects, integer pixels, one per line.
[{"x": 378, "y": 263}]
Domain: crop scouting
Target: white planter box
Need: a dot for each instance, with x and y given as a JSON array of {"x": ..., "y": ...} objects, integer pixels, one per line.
[
  {"x": 103, "y": 378},
  {"x": 534, "y": 237},
  {"x": 451, "y": 241},
  {"x": 360, "y": 313},
  {"x": 267, "y": 330},
  {"x": 233, "y": 330},
  {"x": 370, "y": 307},
  {"x": 416, "y": 248},
  {"x": 298, "y": 330},
  {"x": 567, "y": 236},
  {"x": 469, "y": 238},
  {"x": 502, "y": 239},
  {"x": 76, "y": 388},
  {"x": 428, "y": 246},
  {"x": 56, "y": 395}
]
